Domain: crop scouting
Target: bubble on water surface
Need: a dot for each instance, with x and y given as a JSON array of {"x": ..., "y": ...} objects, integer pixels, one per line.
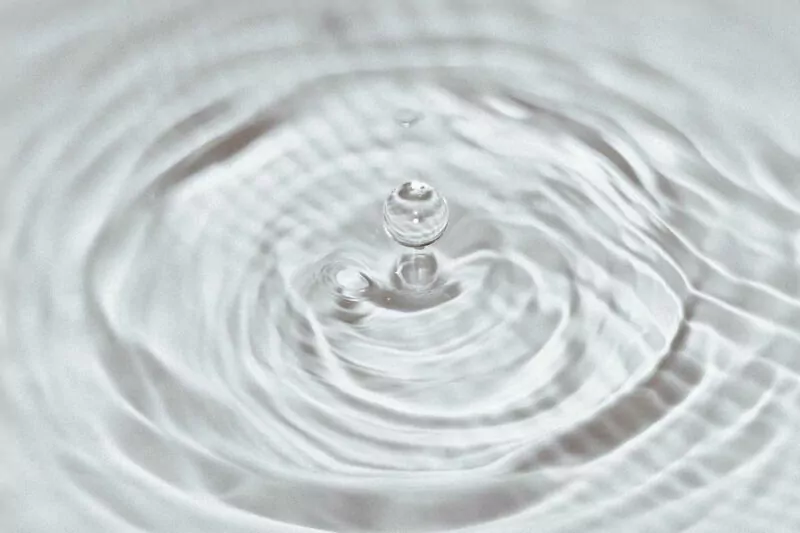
[{"x": 415, "y": 214}]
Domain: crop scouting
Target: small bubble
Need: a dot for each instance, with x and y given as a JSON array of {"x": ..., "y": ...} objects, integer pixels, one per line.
[
  {"x": 407, "y": 117},
  {"x": 415, "y": 214}
]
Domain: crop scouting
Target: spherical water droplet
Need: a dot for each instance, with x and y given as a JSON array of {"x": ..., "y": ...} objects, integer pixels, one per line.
[
  {"x": 407, "y": 117},
  {"x": 415, "y": 215}
]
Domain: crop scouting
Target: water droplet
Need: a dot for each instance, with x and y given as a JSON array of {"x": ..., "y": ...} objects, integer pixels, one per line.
[
  {"x": 407, "y": 117},
  {"x": 416, "y": 271},
  {"x": 415, "y": 214}
]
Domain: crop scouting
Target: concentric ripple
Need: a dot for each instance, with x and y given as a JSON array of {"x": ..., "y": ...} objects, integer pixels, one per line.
[{"x": 207, "y": 328}]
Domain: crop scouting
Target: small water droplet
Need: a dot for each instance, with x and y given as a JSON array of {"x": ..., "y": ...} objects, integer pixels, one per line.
[
  {"x": 415, "y": 214},
  {"x": 407, "y": 117}
]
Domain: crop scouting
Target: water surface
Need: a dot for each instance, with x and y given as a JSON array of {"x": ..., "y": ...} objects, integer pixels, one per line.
[{"x": 611, "y": 344}]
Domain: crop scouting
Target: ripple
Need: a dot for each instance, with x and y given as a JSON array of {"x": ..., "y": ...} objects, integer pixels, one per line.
[{"x": 206, "y": 320}]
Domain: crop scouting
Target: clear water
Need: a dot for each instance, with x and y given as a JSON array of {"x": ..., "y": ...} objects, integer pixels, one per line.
[
  {"x": 204, "y": 326},
  {"x": 415, "y": 214}
]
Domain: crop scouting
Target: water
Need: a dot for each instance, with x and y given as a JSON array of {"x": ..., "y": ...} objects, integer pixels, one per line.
[
  {"x": 408, "y": 117},
  {"x": 415, "y": 214},
  {"x": 204, "y": 326}
]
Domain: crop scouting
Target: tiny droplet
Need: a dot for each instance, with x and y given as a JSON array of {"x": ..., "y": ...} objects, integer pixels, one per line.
[{"x": 407, "y": 117}]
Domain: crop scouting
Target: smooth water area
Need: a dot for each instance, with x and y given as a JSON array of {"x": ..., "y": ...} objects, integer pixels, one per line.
[{"x": 204, "y": 325}]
